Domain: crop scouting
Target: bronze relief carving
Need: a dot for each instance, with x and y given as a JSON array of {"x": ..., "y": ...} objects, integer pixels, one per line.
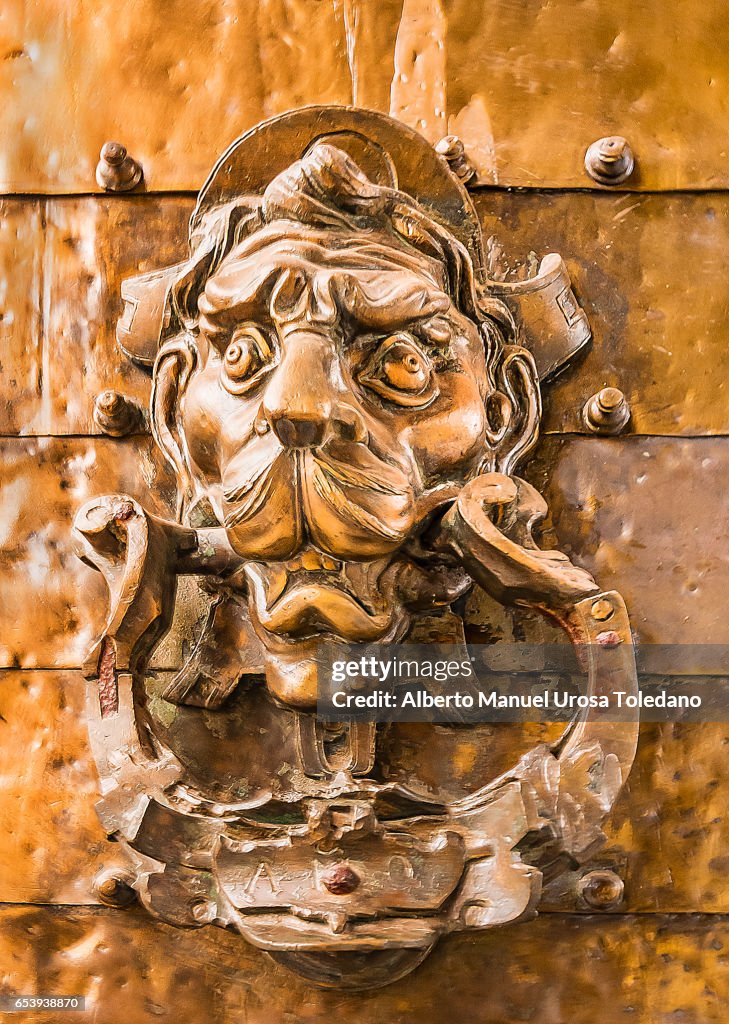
[{"x": 345, "y": 399}]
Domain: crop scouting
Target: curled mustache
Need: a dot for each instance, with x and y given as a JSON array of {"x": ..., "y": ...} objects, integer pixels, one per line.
[
  {"x": 327, "y": 477},
  {"x": 251, "y": 479},
  {"x": 252, "y": 486}
]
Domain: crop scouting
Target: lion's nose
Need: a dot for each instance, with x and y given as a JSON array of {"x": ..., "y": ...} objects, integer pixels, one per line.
[
  {"x": 297, "y": 402},
  {"x": 298, "y": 432}
]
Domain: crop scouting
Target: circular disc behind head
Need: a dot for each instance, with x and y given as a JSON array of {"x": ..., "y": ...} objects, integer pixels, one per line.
[{"x": 387, "y": 151}]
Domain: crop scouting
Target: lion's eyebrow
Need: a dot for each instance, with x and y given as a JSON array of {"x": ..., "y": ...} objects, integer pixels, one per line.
[
  {"x": 437, "y": 329},
  {"x": 391, "y": 299},
  {"x": 377, "y": 286},
  {"x": 235, "y": 292}
]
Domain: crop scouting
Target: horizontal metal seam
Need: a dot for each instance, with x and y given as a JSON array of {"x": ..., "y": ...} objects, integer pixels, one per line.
[
  {"x": 697, "y": 915},
  {"x": 476, "y": 190}
]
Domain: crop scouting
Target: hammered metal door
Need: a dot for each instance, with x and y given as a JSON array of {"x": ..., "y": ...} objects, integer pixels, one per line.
[{"x": 527, "y": 87}]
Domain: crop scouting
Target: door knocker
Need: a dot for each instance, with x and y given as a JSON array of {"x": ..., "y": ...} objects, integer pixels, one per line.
[{"x": 345, "y": 400}]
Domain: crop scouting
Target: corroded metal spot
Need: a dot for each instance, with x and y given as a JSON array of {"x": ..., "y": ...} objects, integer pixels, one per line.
[
  {"x": 124, "y": 511},
  {"x": 108, "y": 689},
  {"x": 341, "y": 880},
  {"x": 609, "y": 638}
]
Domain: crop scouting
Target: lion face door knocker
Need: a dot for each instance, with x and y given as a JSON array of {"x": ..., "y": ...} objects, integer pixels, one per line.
[{"x": 344, "y": 399}]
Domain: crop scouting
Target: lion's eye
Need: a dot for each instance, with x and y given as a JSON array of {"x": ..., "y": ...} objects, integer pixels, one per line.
[
  {"x": 248, "y": 353},
  {"x": 241, "y": 359},
  {"x": 401, "y": 371},
  {"x": 405, "y": 368}
]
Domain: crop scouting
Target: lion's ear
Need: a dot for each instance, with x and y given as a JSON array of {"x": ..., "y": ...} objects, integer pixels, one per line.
[
  {"x": 518, "y": 402},
  {"x": 172, "y": 370}
]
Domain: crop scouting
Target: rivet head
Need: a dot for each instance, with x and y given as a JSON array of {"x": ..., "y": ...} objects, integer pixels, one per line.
[
  {"x": 117, "y": 415},
  {"x": 116, "y": 171},
  {"x": 601, "y": 610},
  {"x": 453, "y": 151},
  {"x": 114, "y": 889},
  {"x": 202, "y": 911},
  {"x": 110, "y": 401},
  {"x": 610, "y": 399},
  {"x": 113, "y": 153},
  {"x": 341, "y": 880},
  {"x": 606, "y": 412},
  {"x": 601, "y": 889},
  {"x": 610, "y": 161}
]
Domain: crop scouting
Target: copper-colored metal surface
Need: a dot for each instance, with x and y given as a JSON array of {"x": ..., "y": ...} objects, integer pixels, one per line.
[
  {"x": 625, "y": 255},
  {"x": 666, "y": 832},
  {"x": 52, "y": 603},
  {"x": 21, "y": 331},
  {"x": 61, "y": 264},
  {"x": 55, "y": 56},
  {"x": 551, "y": 80},
  {"x": 656, "y": 970},
  {"x": 89, "y": 246},
  {"x": 48, "y": 787},
  {"x": 45, "y": 479},
  {"x": 527, "y": 88},
  {"x": 627, "y": 493}
]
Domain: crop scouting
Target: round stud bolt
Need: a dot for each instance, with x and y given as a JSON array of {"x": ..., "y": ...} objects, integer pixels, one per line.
[
  {"x": 341, "y": 880},
  {"x": 116, "y": 171},
  {"x": 114, "y": 889},
  {"x": 116, "y": 414},
  {"x": 607, "y": 412},
  {"x": 602, "y": 610},
  {"x": 610, "y": 161},
  {"x": 202, "y": 911},
  {"x": 453, "y": 152},
  {"x": 601, "y": 890}
]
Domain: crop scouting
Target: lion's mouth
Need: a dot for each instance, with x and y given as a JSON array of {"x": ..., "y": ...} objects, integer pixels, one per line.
[{"x": 313, "y": 594}]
